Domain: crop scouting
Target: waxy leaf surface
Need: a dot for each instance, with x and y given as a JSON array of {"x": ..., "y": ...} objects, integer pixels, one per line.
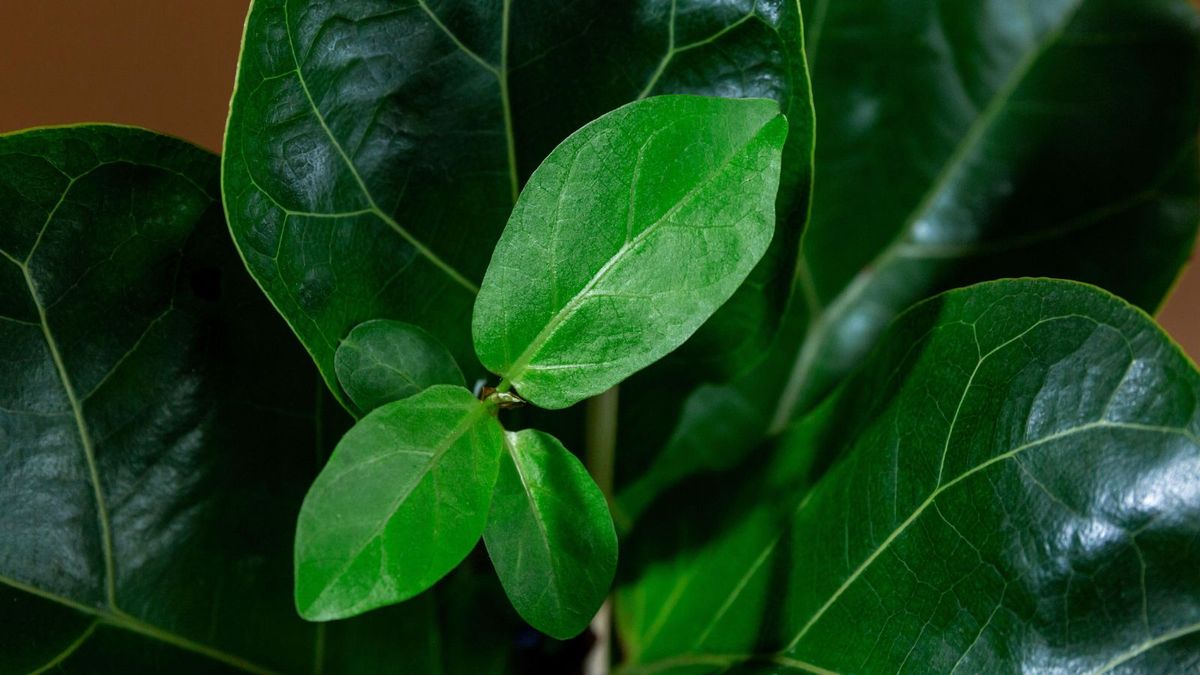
[
  {"x": 962, "y": 142},
  {"x": 550, "y": 535},
  {"x": 375, "y": 148},
  {"x": 640, "y": 225},
  {"x": 402, "y": 501},
  {"x": 1007, "y": 484},
  {"x": 157, "y": 433},
  {"x": 382, "y": 361},
  {"x": 992, "y": 142}
]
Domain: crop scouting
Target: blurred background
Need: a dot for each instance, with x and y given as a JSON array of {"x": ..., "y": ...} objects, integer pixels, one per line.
[{"x": 168, "y": 65}]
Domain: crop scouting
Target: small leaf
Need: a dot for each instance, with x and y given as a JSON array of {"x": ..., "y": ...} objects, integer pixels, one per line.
[
  {"x": 402, "y": 501},
  {"x": 550, "y": 535},
  {"x": 631, "y": 233},
  {"x": 383, "y": 361}
]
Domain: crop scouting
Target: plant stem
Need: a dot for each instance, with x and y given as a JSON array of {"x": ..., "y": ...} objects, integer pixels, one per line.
[
  {"x": 600, "y": 446},
  {"x": 601, "y": 441}
]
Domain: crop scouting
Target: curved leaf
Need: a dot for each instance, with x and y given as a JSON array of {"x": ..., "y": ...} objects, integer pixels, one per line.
[
  {"x": 1012, "y": 487},
  {"x": 382, "y": 361},
  {"x": 550, "y": 535},
  {"x": 640, "y": 226},
  {"x": 962, "y": 142},
  {"x": 375, "y": 148},
  {"x": 1058, "y": 141},
  {"x": 402, "y": 501}
]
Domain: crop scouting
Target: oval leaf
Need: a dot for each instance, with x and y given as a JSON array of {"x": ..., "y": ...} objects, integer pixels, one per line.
[
  {"x": 383, "y": 361},
  {"x": 631, "y": 234},
  {"x": 375, "y": 147},
  {"x": 550, "y": 535},
  {"x": 402, "y": 501},
  {"x": 1012, "y": 489}
]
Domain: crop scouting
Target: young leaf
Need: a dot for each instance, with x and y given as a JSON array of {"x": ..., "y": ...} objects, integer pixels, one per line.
[
  {"x": 550, "y": 535},
  {"x": 1012, "y": 488},
  {"x": 382, "y": 361},
  {"x": 631, "y": 233},
  {"x": 375, "y": 149},
  {"x": 402, "y": 501}
]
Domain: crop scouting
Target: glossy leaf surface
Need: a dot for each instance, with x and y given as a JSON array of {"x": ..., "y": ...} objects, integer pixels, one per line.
[
  {"x": 382, "y": 361},
  {"x": 402, "y": 501},
  {"x": 1011, "y": 485},
  {"x": 964, "y": 143},
  {"x": 375, "y": 148},
  {"x": 191, "y": 443},
  {"x": 550, "y": 535},
  {"x": 641, "y": 225},
  {"x": 994, "y": 141}
]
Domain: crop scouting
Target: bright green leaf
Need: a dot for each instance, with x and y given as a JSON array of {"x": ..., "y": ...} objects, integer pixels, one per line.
[
  {"x": 631, "y": 234},
  {"x": 550, "y": 535},
  {"x": 1012, "y": 487},
  {"x": 402, "y": 501},
  {"x": 382, "y": 361},
  {"x": 375, "y": 147}
]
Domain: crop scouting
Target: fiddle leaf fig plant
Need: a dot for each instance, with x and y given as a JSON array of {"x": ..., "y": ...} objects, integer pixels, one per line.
[
  {"x": 505, "y": 286},
  {"x": 633, "y": 211}
]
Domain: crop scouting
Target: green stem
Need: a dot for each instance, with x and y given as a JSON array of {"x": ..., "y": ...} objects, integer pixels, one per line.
[{"x": 600, "y": 446}]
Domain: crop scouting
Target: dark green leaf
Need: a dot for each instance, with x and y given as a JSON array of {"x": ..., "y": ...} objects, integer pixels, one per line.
[
  {"x": 550, "y": 535},
  {"x": 375, "y": 147},
  {"x": 195, "y": 409},
  {"x": 969, "y": 141},
  {"x": 992, "y": 142},
  {"x": 136, "y": 429},
  {"x": 631, "y": 234},
  {"x": 382, "y": 361},
  {"x": 402, "y": 501},
  {"x": 1012, "y": 488}
]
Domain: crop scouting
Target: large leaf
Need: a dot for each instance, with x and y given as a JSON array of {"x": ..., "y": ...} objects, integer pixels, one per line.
[
  {"x": 968, "y": 141},
  {"x": 375, "y": 147},
  {"x": 550, "y": 535},
  {"x": 157, "y": 430},
  {"x": 994, "y": 141},
  {"x": 402, "y": 501},
  {"x": 1012, "y": 488},
  {"x": 631, "y": 234}
]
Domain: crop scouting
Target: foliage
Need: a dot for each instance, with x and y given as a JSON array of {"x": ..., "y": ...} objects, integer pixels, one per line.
[{"x": 855, "y": 433}]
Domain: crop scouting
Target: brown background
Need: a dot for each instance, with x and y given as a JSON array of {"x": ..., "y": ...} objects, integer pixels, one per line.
[{"x": 169, "y": 64}]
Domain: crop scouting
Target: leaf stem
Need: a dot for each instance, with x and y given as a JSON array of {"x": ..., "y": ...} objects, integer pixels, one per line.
[{"x": 600, "y": 447}]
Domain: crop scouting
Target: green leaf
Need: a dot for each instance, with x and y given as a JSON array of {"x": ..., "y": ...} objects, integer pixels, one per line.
[
  {"x": 993, "y": 143},
  {"x": 382, "y": 361},
  {"x": 402, "y": 501},
  {"x": 1011, "y": 486},
  {"x": 972, "y": 142},
  {"x": 191, "y": 443},
  {"x": 550, "y": 535},
  {"x": 375, "y": 148},
  {"x": 631, "y": 234}
]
